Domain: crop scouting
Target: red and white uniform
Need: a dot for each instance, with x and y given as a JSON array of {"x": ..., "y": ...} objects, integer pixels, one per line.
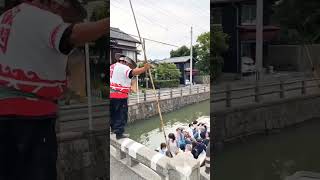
[
  {"x": 120, "y": 83},
  {"x": 30, "y": 60}
]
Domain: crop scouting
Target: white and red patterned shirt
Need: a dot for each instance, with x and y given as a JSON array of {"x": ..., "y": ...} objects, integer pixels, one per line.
[
  {"x": 30, "y": 60},
  {"x": 120, "y": 82}
]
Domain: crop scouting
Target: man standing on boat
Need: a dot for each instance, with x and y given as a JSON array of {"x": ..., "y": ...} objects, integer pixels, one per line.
[{"x": 120, "y": 85}]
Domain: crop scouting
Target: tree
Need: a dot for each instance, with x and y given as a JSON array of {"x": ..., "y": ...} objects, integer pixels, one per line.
[
  {"x": 203, "y": 51},
  {"x": 299, "y": 21},
  {"x": 166, "y": 71},
  {"x": 183, "y": 51},
  {"x": 219, "y": 46},
  {"x": 100, "y": 46}
]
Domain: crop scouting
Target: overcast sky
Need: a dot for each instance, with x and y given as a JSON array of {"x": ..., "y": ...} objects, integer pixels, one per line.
[{"x": 167, "y": 21}]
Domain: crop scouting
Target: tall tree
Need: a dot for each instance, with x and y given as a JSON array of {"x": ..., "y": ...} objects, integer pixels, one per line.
[
  {"x": 219, "y": 46},
  {"x": 299, "y": 21},
  {"x": 203, "y": 52},
  {"x": 181, "y": 51},
  {"x": 100, "y": 46}
]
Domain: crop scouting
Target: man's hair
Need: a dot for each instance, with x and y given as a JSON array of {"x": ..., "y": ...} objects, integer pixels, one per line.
[
  {"x": 163, "y": 145},
  {"x": 195, "y": 122},
  {"x": 190, "y": 124}
]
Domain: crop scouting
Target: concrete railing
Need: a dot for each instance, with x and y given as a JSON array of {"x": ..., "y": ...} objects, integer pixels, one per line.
[
  {"x": 264, "y": 92},
  {"x": 75, "y": 117},
  {"x": 134, "y": 154},
  {"x": 169, "y": 93}
]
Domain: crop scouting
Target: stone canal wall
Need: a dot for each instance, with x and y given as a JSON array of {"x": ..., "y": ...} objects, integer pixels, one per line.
[
  {"x": 148, "y": 109},
  {"x": 83, "y": 155},
  {"x": 238, "y": 122}
]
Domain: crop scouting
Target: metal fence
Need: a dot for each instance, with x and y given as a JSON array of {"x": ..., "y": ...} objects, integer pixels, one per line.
[
  {"x": 168, "y": 93},
  {"x": 264, "y": 92}
]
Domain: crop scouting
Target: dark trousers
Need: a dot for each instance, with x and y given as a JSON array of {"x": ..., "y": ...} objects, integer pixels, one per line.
[
  {"x": 119, "y": 115},
  {"x": 28, "y": 149}
]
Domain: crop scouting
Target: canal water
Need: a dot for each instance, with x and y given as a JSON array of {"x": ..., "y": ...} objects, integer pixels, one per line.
[
  {"x": 271, "y": 157},
  {"x": 148, "y": 131}
]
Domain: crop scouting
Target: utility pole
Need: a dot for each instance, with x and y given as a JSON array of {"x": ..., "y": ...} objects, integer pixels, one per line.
[
  {"x": 146, "y": 73},
  {"x": 259, "y": 39},
  {"x": 191, "y": 59}
]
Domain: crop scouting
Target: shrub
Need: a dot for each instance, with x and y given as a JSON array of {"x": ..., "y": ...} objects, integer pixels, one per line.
[{"x": 166, "y": 83}]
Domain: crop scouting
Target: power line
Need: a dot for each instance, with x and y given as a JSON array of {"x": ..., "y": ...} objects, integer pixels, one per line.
[
  {"x": 179, "y": 5},
  {"x": 164, "y": 43},
  {"x": 153, "y": 21},
  {"x": 147, "y": 18},
  {"x": 166, "y": 12}
]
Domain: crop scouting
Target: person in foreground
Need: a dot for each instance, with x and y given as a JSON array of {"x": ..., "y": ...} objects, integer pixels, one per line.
[
  {"x": 120, "y": 85},
  {"x": 36, "y": 37}
]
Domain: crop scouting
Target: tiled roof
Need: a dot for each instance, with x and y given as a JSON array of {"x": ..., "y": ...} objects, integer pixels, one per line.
[
  {"x": 116, "y": 33},
  {"x": 224, "y": 1},
  {"x": 175, "y": 60}
]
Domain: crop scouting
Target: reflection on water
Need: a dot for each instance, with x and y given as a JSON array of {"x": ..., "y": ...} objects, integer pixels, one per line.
[
  {"x": 148, "y": 131},
  {"x": 271, "y": 157}
]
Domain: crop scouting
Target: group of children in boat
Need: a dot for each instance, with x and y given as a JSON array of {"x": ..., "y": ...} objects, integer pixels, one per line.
[{"x": 192, "y": 141}]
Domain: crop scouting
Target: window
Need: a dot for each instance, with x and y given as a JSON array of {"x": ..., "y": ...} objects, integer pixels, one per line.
[
  {"x": 245, "y": 49},
  {"x": 130, "y": 54},
  {"x": 248, "y": 14}
]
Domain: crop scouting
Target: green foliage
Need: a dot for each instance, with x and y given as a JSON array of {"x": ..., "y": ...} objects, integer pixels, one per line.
[
  {"x": 166, "y": 71},
  {"x": 299, "y": 21},
  {"x": 99, "y": 48},
  {"x": 166, "y": 83},
  {"x": 183, "y": 51},
  {"x": 203, "y": 51},
  {"x": 219, "y": 46}
]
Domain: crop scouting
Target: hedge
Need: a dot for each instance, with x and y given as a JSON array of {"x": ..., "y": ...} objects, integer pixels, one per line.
[{"x": 166, "y": 83}]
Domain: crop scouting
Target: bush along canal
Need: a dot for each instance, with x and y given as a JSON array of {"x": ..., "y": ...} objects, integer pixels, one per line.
[
  {"x": 148, "y": 131},
  {"x": 271, "y": 157}
]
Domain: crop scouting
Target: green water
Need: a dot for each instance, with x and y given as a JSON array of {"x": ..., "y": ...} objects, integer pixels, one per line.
[
  {"x": 148, "y": 131},
  {"x": 271, "y": 157}
]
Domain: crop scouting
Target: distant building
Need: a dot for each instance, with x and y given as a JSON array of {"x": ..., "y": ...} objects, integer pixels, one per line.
[
  {"x": 121, "y": 42},
  {"x": 183, "y": 64},
  {"x": 238, "y": 19}
]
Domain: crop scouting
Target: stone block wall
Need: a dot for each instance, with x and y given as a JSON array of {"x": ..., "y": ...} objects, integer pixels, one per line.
[
  {"x": 83, "y": 156},
  {"x": 148, "y": 109},
  {"x": 260, "y": 118}
]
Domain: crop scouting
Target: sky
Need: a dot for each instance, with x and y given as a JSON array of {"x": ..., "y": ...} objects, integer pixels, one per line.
[{"x": 168, "y": 21}]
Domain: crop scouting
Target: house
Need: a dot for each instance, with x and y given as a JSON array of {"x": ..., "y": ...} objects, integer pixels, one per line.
[
  {"x": 121, "y": 42},
  {"x": 237, "y": 18},
  {"x": 183, "y": 64}
]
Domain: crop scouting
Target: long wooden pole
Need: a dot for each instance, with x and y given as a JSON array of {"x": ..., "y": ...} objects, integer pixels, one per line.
[{"x": 151, "y": 79}]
